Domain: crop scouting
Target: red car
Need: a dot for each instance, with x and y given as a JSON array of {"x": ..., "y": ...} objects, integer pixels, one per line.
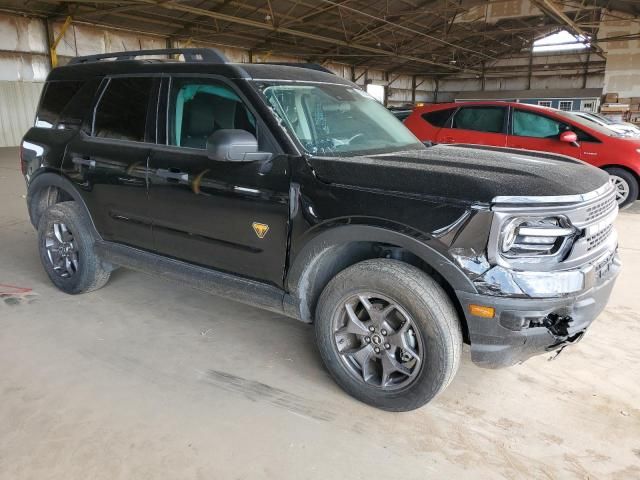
[{"x": 531, "y": 127}]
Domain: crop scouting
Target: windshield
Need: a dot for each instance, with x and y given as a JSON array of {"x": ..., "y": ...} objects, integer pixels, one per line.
[
  {"x": 604, "y": 119},
  {"x": 337, "y": 120},
  {"x": 589, "y": 118},
  {"x": 578, "y": 120}
]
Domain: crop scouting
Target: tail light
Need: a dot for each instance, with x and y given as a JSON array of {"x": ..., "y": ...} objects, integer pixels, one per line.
[{"x": 23, "y": 163}]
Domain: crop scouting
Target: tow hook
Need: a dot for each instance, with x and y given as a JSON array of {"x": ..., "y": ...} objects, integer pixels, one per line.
[{"x": 558, "y": 325}]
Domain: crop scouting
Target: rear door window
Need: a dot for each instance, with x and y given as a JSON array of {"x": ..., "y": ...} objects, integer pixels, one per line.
[
  {"x": 439, "y": 118},
  {"x": 122, "y": 112},
  {"x": 480, "y": 119}
]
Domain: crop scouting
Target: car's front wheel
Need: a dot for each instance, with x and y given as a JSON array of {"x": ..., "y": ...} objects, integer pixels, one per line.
[
  {"x": 66, "y": 243},
  {"x": 388, "y": 334},
  {"x": 626, "y": 185}
]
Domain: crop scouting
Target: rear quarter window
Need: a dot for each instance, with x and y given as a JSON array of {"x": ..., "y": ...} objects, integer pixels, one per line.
[
  {"x": 65, "y": 104},
  {"x": 439, "y": 118}
]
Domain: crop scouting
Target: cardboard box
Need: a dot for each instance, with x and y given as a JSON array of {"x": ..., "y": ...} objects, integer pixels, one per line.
[
  {"x": 624, "y": 100},
  {"x": 611, "y": 98},
  {"x": 614, "y": 107}
]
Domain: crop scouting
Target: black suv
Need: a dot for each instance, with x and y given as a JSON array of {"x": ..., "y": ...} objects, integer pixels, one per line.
[{"x": 289, "y": 188}]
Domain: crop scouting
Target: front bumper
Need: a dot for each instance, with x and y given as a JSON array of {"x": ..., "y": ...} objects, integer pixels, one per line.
[{"x": 521, "y": 327}]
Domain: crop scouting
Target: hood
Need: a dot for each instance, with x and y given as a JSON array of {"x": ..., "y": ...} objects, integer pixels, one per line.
[{"x": 463, "y": 173}]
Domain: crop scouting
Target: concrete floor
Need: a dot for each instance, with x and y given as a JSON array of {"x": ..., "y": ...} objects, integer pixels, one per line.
[{"x": 146, "y": 379}]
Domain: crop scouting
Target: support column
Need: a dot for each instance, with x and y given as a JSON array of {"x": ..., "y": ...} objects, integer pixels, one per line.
[
  {"x": 530, "y": 74},
  {"x": 585, "y": 74},
  {"x": 413, "y": 89},
  {"x": 386, "y": 89}
]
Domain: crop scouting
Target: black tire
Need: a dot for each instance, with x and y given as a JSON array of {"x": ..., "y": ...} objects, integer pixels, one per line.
[
  {"x": 88, "y": 271},
  {"x": 622, "y": 176},
  {"x": 430, "y": 310}
]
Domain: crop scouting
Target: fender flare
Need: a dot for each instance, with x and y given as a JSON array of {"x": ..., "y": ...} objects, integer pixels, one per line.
[
  {"x": 304, "y": 267},
  {"x": 51, "y": 179}
]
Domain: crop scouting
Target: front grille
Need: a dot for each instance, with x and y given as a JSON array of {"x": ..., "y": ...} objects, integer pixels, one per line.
[
  {"x": 594, "y": 241},
  {"x": 600, "y": 209}
]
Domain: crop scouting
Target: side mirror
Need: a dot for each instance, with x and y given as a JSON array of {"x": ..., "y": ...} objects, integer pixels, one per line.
[
  {"x": 569, "y": 137},
  {"x": 231, "y": 145}
]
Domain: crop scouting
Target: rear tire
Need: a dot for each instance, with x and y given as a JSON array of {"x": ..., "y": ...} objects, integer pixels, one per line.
[
  {"x": 626, "y": 185},
  {"x": 388, "y": 334},
  {"x": 66, "y": 242}
]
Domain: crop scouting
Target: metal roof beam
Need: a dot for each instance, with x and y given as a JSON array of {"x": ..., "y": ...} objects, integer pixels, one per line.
[{"x": 310, "y": 36}]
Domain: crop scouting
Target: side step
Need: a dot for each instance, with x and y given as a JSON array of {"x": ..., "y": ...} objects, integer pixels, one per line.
[{"x": 207, "y": 280}]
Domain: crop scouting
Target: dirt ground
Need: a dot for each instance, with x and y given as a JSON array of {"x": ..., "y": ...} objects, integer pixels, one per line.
[{"x": 146, "y": 379}]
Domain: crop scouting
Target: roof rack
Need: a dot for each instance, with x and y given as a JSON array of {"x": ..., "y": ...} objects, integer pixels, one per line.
[
  {"x": 310, "y": 66},
  {"x": 206, "y": 55}
]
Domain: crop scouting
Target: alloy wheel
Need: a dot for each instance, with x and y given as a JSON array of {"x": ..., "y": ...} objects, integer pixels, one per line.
[
  {"x": 622, "y": 188},
  {"x": 62, "y": 250},
  {"x": 378, "y": 341}
]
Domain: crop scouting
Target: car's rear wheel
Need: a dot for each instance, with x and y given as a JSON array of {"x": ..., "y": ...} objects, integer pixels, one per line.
[
  {"x": 388, "y": 334},
  {"x": 66, "y": 248},
  {"x": 626, "y": 186}
]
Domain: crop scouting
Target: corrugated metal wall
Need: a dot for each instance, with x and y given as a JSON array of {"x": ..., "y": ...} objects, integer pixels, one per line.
[{"x": 18, "y": 103}]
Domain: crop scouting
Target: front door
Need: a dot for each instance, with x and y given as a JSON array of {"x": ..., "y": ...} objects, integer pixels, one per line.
[
  {"x": 108, "y": 160},
  {"x": 476, "y": 125},
  {"x": 231, "y": 216}
]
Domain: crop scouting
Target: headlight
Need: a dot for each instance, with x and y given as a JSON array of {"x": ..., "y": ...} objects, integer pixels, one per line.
[
  {"x": 533, "y": 237},
  {"x": 638, "y": 150}
]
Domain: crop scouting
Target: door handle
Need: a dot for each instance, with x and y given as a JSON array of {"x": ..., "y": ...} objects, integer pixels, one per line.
[
  {"x": 86, "y": 161},
  {"x": 172, "y": 174},
  {"x": 449, "y": 140}
]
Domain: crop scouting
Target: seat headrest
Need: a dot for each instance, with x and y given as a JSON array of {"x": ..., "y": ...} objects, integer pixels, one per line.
[{"x": 200, "y": 117}]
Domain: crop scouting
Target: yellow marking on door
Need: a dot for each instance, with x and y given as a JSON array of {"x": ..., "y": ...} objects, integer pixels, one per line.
[{"x": 261, "y": 229}]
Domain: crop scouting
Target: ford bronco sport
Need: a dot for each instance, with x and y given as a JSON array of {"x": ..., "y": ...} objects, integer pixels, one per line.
[{"x": 289, "y": 188}]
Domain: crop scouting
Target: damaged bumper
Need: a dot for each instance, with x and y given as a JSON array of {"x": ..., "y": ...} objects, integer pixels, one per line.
[{"x": 524, "y": 327}]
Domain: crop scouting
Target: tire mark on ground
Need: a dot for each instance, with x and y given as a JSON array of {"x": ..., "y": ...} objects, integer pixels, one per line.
[{"x": 256, "y": 391}]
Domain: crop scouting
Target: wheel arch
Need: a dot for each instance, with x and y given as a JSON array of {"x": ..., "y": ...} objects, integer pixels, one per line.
[
  {"x": 623, "y": 167},
  {"x": 49, "y": 188},
  {"x": 630, "y": 170},
  {"x": 337, "y": 248}
]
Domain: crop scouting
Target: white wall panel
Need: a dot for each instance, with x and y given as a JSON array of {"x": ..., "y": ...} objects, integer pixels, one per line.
[
  {"x": 22, "y": 34},
  {"x": 18, "y": 103}
]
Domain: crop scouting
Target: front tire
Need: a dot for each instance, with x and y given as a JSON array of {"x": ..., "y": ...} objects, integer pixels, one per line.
[
  {"x": 388, "y": 334},
  {"x": 65, "y": 241},
  {"x": 626, "y": 185}
]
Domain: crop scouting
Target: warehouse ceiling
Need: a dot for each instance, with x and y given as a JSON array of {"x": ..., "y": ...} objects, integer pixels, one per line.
[{"x": 435, "y": 37}]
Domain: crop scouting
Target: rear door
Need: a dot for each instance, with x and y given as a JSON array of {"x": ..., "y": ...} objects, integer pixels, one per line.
[
  {"x": 479, "y": 125},
  {"x": 535, "y": 131},
  {"x": 231, "y": 216},
  {"x": 107, "y": 160}
]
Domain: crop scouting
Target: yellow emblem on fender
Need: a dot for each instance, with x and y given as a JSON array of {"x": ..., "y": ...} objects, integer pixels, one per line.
[{"x": 261, "y": 229}]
